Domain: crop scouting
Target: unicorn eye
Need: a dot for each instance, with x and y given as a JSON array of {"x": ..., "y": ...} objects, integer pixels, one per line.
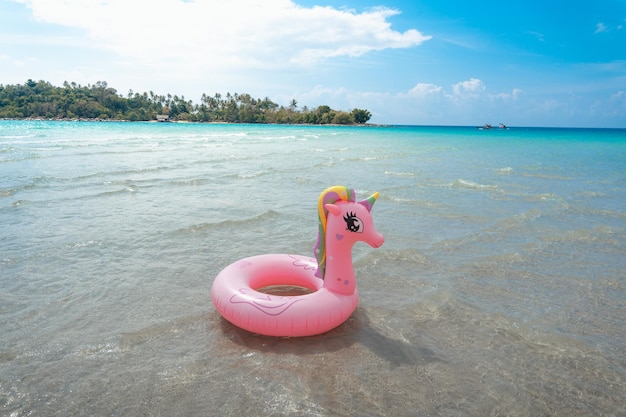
[{"x": 353, "y": 223}]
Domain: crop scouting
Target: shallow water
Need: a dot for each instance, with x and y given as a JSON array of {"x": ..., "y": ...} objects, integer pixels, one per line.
[{"x": 500, "y": 289}]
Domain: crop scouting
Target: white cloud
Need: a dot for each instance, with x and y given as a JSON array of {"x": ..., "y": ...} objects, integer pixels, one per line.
[
  {"x": 425, "y": 103},
  {"x": 10, "y": 60},
  {"x": 601, "y": 27},
  {"x": 538, "y": 35},
  {"x": 513, "y": 95},
  {"x": 205, "y": 35},
  {"x": 618, "y": 100},
  {"x": 468, "y": 89},
  {"x": 424, "y": 89}
]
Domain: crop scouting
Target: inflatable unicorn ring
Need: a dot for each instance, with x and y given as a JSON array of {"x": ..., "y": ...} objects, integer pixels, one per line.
[{"x": 330, "y": 277}]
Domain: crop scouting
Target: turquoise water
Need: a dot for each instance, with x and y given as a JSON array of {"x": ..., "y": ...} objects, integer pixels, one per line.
[{"x": 500, "y": 289}]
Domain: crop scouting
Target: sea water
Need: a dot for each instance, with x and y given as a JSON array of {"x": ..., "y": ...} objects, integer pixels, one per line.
[{"x": 500, "y": 289}]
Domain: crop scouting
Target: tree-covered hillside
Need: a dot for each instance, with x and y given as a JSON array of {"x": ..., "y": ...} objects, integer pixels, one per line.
[{"x": 40, "y": 99}]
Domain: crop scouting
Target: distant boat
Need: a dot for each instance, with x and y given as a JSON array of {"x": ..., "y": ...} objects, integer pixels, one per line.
[{"x": 488, "y": 126}]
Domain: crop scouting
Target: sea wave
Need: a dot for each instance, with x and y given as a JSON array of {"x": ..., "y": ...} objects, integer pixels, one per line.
[
  {"x": 547, "y": 176},
  {"x": 604, "y": 235},
  {"x": 194, "y": 182},
  {"x": 19, "y": 203},
  {"x": 20, "y": 158},
  {"x": 248, "y": 175},
  {"x": 413, "y": 202},
  {"x": 462, "y": 183},
  {"x": 7, "y": 192},
  {"x": 208, "y": 226},
  {"x": 129, "y": 188},
  {"x": 399, "y": 174},
  {"x": 83, "y": 243}
]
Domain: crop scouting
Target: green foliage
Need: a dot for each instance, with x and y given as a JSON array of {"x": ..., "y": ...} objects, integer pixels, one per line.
[
  {"x": 99, "y": 101},
  {"x": 343, "y": 118},
  {"x": 361, "y": 116}
]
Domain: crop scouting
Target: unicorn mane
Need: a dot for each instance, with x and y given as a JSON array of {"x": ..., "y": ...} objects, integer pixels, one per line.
[{"x": 329, "y": 196}]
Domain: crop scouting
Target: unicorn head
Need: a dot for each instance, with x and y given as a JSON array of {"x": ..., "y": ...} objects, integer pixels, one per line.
[{"x": 351, "y": 222}]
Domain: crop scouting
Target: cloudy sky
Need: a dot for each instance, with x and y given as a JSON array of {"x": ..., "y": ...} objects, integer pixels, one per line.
[{"x": 428, "y": 62}]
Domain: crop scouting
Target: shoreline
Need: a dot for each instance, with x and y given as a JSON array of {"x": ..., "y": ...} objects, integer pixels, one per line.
[
  {"x": 370, "y": 125},
  {"x": 43, "y": 119}
]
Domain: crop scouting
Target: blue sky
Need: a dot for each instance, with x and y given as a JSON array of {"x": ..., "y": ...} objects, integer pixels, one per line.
[{"x": 523, "y": 63}]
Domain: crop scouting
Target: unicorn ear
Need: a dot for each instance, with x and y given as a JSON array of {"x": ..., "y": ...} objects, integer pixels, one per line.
[
  {"x": 369, "y": 201},
  {"x": 333, "y": 209}
]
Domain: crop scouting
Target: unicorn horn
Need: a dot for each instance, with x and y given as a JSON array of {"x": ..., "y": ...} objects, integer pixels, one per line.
[{"x": 369, "y": 201}]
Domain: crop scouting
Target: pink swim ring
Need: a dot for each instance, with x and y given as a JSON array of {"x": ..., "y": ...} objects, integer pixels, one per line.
[{"x": 330, "y": 275}]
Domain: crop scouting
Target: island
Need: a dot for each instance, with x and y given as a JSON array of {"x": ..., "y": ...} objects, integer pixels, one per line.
[{"x": 42, "y": 100}]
